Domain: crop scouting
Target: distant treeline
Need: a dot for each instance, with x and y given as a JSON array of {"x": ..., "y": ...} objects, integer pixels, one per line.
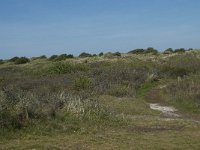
[{"x": 149, "y": 50}]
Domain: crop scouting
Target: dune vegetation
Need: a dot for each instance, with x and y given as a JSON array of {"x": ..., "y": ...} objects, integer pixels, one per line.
[{"x": 101, "y": 101}]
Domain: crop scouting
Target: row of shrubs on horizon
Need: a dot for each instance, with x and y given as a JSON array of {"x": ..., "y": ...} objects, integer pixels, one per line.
[{"x": 23, "y": 60}]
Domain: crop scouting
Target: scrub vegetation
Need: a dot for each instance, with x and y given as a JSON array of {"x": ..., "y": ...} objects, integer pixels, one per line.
[{"x": 101, "y": 101}]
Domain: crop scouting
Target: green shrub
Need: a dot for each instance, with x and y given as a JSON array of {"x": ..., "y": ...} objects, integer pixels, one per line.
[
  {"x": 70, "y": 56},
  {"x": 94, "y": 55},
  {"x": 61, "y": 57},
  {"x": 1, "y": 62},
  {"x": 180, "y": 50},
  {"x": 40, "y": 57},
  {"x": 108, "y": 55},
  {"x": 82, "y": 83},
  {"x": 65, "y": 67},
  {"x": 112, "y": 55},
  {"x": 168, "y": 51},
  {"x": 137, "y": 51},
  {"x": 151, "y": 50},
  {"x": 53, "y": 57},
  {"x": 142, "y": 51},
  {"x": 13, "y": 59},
  {"x": 190, "y": 49},
  {"x": 101, "y": 54},
  {"x": 83, "y": 55},
  {"x": 61, "y": 68},
  {"x": 117, "y": 54},
  {"x": 22, "y": 60}
]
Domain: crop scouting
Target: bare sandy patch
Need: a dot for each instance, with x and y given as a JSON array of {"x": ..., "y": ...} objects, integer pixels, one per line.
[{"x": 168, "y": 111}]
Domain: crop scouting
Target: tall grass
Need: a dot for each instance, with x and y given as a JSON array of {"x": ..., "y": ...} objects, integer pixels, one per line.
[
  {"x": 185, "y": 94},
  {"x": 20, "y": 108}
]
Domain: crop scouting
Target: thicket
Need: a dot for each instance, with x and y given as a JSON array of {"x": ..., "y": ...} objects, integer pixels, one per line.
[
  {"x": 144, "y": 51},
  {"x": 22, "y": 60},
  {"x": 13, "y": 59},
  {"x": 53, "y": 57},
  {"x": 40, "y": 57},
  {"x": 137, "y": 51},
  {"x": 84, "y": 54},
  {"x": 60, "y": 57},
  {"x": 168, "y": 51},
  {"x": 101, "y": 54},
  {"x": 19, "y": 60}
]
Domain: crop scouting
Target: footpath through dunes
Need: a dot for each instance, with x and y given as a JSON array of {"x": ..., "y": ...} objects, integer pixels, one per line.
[
  {"x": 157, "y": 103},
  {"x": 168, "y": 111}
]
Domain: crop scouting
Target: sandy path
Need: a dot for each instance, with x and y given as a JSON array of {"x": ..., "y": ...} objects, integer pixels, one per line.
[{"x": 168, "y": 111}]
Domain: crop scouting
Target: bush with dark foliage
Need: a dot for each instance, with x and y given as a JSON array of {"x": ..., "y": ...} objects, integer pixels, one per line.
[
  {"x": 53, "y": 57},
  {"x": 101, "y": 54},
  {"x": 137, "y": 51},
  {"x": 84, "y": 54},
  {"x": 168, "y": 51},
  {"x": 180, "y": 50},
  {"x": 22, "y": 60},
  {"x": 13, "y": 59},
  {"x": 1, "y": 61},
  {"x": 151, "y": 50}
]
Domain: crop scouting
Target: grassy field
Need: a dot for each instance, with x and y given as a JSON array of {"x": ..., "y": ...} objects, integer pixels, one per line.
[{"x": 101, "y": 102}]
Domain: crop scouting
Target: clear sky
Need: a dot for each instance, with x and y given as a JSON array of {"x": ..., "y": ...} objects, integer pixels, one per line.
[{"x": 36, "y": 27}]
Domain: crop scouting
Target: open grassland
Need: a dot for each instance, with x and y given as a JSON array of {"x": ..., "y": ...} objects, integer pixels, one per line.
[{"x": 101, "y": 102}]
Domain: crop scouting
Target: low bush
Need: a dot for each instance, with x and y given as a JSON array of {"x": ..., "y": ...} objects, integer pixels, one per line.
[
  {"x": 117, "y": 54},
  {"x": 53, "y": 57},
  {"x": 1, "y": 62},
  {"x": 13, "y": 59},
  {"x": 43, "y": 57},
  {"x": 22, "y": 60},
  {"x": 112, "y": 55},
  {"x": 180, "y": 50},
  {"x": 101, "y": 54},
  {"x": 83, "y": 55},
  {"x": 151, "y": 50},
  {"x": 61, "y": 57},
  {"x": 70, "y": 56},
  {"x": 40, "y": 57},
  {"x": 168, "y": 51},
  {"x": 61, "y": 68},
  {"x": 143, "y": 51},
  {"x": 65, "y": 67},
  {"x": 137, "y": 51},
  {"x": 82, "y": 83}
]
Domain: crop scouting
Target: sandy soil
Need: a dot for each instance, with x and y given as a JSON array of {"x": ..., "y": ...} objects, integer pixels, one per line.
[{"x": 168, "y": 111}]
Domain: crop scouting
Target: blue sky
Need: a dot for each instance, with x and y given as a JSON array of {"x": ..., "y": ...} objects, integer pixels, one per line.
[{"x": 36, "y": 27}]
